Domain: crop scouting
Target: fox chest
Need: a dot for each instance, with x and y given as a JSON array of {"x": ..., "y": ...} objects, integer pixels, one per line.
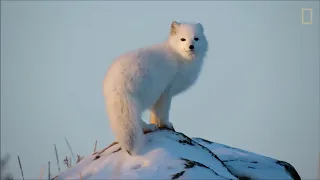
[{"x": 183, "y": 79}]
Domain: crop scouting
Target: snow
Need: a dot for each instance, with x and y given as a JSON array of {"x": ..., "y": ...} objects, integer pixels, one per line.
[{"x": 173, "y": 155}]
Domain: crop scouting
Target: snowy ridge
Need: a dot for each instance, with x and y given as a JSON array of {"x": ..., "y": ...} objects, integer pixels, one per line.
[{"x": 173, "y": 155}]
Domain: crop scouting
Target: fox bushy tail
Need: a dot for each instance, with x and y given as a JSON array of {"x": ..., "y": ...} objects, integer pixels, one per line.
[{"x": 125, "y": 116}]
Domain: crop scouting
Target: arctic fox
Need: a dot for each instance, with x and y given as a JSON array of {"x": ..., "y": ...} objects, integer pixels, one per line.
[{"x": 148, "y": 78}]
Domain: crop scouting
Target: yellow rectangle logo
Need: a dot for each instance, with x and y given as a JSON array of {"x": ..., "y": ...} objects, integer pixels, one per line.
[{"x": 305, "y": 18}]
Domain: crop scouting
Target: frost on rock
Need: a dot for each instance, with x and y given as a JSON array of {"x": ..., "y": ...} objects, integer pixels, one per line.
[{"x": 173, "y": 155}]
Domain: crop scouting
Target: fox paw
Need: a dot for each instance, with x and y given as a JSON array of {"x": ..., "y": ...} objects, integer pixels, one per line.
[
  {"x": 167, "y": 126},
  {"x": 149, "y": 128}
]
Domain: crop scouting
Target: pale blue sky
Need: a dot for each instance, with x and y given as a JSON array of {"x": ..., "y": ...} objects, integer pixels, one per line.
[{"x": 259, "y": 89}]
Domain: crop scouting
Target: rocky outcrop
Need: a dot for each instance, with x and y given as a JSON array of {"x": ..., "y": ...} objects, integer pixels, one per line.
[{"x": 173, "y": 155}]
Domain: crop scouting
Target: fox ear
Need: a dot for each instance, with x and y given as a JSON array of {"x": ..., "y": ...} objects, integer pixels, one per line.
[
  {"x": 200, "y": 27},
  {"x": 174, "y": 27}
]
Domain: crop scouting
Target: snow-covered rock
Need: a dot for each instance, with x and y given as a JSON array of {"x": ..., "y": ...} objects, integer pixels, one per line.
[{"x": 173, "y": 155}]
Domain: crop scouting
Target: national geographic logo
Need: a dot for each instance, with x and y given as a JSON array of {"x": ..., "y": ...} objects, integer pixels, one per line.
[{"x": 306, "y": 15}]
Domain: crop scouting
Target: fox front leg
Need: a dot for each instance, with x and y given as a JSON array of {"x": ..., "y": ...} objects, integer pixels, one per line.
[
  {"x": 148, "y": 127},
  {"x": 160, "y": 111}
]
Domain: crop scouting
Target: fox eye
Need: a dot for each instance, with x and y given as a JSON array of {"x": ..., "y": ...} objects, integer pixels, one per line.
[
  {"x": 182, "y": 39},
  {"x": 196, "y": 39}
]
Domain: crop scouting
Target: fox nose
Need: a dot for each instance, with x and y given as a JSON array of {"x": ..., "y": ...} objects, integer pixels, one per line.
[{"x": 191, "y": 47}]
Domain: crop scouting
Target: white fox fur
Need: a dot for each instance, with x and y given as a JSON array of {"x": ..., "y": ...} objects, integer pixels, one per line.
[{"x": 148, "y": 78}]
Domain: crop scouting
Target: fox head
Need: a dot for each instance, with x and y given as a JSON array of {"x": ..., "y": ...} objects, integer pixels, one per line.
[{"x": 188, "y": 40}]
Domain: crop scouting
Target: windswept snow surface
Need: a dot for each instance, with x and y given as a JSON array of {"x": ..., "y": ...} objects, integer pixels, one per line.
[{"x": 172, "y": 155}]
